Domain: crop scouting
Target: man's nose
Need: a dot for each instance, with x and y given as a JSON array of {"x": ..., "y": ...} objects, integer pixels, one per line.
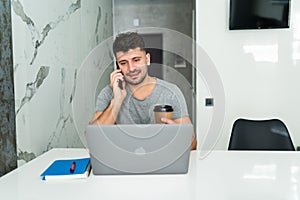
[{"x": 131, "y": 66}]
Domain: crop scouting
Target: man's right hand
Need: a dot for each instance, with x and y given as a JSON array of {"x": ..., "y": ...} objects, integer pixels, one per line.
[{"x": 119, "y": 94}]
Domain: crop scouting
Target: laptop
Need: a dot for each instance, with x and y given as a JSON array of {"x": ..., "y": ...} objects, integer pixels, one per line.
[{"x": 139, "y": 149}]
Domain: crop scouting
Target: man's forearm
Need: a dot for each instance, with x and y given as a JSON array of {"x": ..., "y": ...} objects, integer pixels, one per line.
[
  {"x": 109, "y": 115},
  {"x": 194, "y": 142}
]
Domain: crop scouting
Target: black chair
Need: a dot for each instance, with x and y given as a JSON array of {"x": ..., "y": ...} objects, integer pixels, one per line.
[{"x": 260, "y": 135}]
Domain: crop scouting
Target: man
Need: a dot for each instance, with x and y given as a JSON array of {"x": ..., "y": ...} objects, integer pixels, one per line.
[{"x": 133, "y": 101}]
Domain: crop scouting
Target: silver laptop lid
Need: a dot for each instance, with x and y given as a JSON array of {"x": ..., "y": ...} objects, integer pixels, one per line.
[{"x": 139, "y": 149}]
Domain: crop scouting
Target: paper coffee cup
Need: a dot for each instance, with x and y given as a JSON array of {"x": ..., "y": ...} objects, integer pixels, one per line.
[{"x": 162, "y": 111}]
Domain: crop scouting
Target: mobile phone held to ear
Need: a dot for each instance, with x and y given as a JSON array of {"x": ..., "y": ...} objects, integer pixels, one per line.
[{"x": 120, "y": 84}]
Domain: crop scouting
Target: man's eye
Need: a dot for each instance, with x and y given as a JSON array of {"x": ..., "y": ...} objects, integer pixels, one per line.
[
  {"x": 137, "y": 60},
  {"x": 122, "y": 63}
]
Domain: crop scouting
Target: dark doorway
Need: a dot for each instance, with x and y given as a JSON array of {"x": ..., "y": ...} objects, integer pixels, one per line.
[{"x": 153, "y": 43}]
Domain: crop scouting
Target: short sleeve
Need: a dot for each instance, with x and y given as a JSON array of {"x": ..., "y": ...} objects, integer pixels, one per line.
[
  {"x": 103, "y": 99},
  {"x": 179, "y": 103}
]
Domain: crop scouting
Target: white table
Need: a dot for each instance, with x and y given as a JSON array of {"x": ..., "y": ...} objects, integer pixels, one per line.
[{"x": 221, "y": 175}]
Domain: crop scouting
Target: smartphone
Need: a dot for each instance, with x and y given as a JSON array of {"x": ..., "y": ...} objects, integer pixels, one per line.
[{"x": 119, "y": 81}]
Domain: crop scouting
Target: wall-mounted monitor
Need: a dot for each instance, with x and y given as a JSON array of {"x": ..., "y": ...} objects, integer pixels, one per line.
[{"x": 259, "y": 14}]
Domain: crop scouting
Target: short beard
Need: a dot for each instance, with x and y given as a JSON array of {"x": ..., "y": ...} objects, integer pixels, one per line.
[{"x": 135, "y": 83}]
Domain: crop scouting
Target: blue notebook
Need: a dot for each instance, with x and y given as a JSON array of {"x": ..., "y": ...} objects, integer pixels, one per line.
[{"x": 67, "y": 169}]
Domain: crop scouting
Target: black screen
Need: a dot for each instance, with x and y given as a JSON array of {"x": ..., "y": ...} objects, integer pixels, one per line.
[{"x": 259, "y": 14}]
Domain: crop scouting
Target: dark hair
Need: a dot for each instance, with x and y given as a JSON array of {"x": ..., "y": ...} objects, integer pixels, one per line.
[{"x": 126, "y": 41}]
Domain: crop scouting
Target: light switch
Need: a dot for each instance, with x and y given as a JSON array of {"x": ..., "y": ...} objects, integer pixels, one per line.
[
  {"x": 209, "y": 102},
  {"x": 136, "y": 22}
]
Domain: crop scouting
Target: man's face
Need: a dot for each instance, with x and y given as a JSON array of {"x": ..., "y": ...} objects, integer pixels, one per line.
[{"x": 133, "y": 65}]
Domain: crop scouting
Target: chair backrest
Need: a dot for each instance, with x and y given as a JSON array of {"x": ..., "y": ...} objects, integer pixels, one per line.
[{"x": 269, "y": 134}]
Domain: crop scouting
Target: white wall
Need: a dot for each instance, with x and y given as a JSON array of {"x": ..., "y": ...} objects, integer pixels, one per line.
[{"x": 259, "y": 70}]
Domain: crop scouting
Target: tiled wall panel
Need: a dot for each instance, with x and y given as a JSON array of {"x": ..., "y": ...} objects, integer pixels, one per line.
[{"x": 8, "y": 159}]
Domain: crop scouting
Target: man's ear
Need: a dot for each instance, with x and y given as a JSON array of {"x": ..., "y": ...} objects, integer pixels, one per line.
[{"x": 148, "y": 59}]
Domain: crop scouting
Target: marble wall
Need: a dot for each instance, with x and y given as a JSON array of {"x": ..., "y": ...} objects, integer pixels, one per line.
[
  {"x": 51, "y": 38},
  {"x": 8, "y": 159}
]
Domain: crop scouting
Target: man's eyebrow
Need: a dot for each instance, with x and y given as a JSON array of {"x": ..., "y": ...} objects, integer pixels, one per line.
[
  {"x": 122, "y": 61},
  {"x": 136, "y": 57},
  {"x": 131, "y": 59}
]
